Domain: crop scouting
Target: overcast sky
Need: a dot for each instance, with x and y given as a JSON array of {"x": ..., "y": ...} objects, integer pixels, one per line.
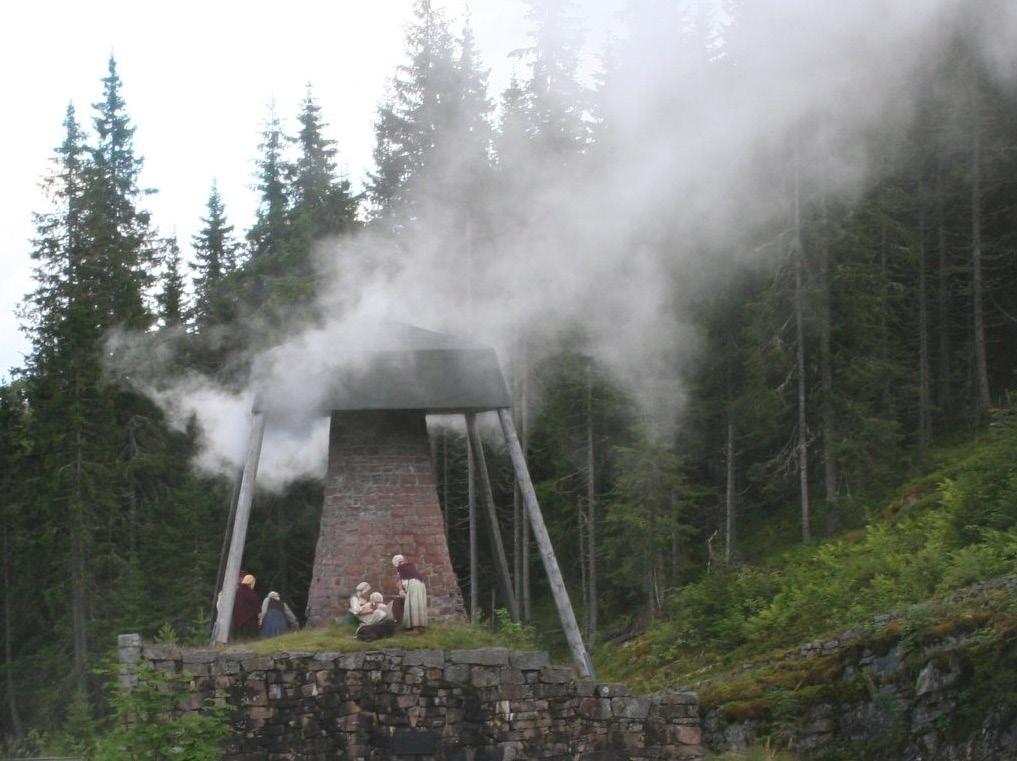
[{"x": 198, "y": 79}]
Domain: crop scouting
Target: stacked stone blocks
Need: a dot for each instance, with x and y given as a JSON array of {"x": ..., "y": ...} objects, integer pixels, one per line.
[{"x": 466, "y": 705}]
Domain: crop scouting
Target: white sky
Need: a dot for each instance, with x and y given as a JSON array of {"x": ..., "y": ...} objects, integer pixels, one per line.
[{"x": 198, "y": 79}]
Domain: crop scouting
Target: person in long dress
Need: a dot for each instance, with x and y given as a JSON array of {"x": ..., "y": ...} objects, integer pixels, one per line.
[
  {"x": 276, "y": 616},
  {"x": 246, "y": 607},
  {"x": 413, "y": 592}
]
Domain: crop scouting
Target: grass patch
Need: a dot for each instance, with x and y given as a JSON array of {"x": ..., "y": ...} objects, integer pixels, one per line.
[{"x": 340, "y": 639}]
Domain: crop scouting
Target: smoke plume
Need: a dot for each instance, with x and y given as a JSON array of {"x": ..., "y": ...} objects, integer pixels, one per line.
[{"x": 694, "y": 147}]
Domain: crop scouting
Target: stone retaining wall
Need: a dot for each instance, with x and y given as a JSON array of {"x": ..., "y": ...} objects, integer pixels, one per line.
[{"x": 463, "y": 705}]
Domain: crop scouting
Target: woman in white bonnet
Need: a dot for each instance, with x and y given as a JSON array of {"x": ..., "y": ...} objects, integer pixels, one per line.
[
  {"x": 413, "y": 592},
  {"x": 360, "y": 603}
]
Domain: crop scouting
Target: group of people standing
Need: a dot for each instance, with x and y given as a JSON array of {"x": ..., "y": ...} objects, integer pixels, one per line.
[
  {"x": 253, "y": 617},
  {"x": 375, "y": 619}
]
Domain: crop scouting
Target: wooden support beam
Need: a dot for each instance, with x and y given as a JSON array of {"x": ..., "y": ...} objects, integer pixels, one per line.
[
  {"x": 244, "y": 500},
  {"x": 471, "y": 498},
  {"x": 583, "y": 662},
  {"x": 494, "y": 529},
  {"x": 231, "y": 515}
]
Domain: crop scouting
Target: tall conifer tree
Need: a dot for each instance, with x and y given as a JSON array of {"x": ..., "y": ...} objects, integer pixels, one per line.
[{"x": 215, "y": 258}]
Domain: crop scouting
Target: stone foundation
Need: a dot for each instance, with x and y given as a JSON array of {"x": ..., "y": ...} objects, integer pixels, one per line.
[
  {"x": 380, "y": 500},
  {"x": 467, "y": 705}
]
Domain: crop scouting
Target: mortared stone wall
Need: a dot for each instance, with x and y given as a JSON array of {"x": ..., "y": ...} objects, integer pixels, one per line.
[{"x": 424, "y": 705}]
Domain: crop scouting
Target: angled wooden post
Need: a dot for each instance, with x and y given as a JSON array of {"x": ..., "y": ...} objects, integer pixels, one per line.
[
  {"x": 580, "y": 656},
  {"x": 229, "y": 581},
  {"x": 501, "y": 561},
  {"x": 224, "y": 549},
  {"x": 471, "y": 498}
]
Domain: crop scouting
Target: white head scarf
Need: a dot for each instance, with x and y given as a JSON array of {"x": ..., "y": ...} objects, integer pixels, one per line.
[
  {"x": 363, "y": 587},
  {"x": 398, "y": 560}
]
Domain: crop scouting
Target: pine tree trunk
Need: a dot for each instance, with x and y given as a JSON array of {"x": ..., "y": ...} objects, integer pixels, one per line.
[
  {"x": 524, "y": 435},
  {"x": 798, "y": 254},
  {"x": 730, "y": 507},
  {"x": 943, "y": 294},
  {"x": 884, "y": 310},
  {"x": 924, "y": 382},
  {"x": 982, "y": 399},
  {"x": 12, "y": 705},
  {"x": 79, "y": 590},
  {"x": 826, "y": 368},
  {"x": 591, "y": 510},
  {"x": 584, "y": 577}
]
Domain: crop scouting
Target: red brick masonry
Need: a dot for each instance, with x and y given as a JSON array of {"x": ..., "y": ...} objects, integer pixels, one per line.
[{"x": 380, "y": 499}]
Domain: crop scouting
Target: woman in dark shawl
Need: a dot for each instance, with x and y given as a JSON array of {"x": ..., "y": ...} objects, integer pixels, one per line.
[
  {"x": 246, "y": 608},
  {"x": 413, "y": 592}
]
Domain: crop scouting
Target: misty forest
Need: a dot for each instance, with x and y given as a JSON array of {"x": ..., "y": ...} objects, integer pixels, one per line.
[{"x": 751, "y": 276}]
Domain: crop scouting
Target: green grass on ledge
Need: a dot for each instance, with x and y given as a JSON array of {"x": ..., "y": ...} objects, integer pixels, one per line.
[{"x": 339, "y": 638}]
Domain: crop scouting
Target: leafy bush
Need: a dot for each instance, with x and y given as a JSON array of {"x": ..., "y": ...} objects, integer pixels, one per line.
[{"x": 146, "y": 728}]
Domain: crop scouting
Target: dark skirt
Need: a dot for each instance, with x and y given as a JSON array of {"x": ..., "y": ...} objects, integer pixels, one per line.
[
  {"x": 371, "y": 632},
  {"x": 275, "y": 623}
]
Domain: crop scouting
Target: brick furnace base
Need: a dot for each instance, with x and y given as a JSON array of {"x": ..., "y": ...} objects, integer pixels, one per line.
[{"x": 380, "y": 499}]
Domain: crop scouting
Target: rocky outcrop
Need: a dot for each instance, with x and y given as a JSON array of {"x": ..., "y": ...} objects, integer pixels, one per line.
[{"x": 905, "y": 688}]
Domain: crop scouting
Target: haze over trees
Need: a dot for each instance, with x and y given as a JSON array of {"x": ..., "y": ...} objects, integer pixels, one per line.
[{"x": 838, "y": 337}]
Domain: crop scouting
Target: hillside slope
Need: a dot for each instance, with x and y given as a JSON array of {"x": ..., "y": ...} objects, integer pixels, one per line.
[{"x": 889, "y": 594}]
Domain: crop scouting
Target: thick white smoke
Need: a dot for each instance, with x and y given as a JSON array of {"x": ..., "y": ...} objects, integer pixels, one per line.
[{"x": 684, "y": 174}]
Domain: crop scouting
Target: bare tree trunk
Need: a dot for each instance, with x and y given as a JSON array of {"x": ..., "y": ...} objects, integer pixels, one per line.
[
  {"x": 591, "y": 509},
  {"x": 798, "y": 254},
  {"x": 675, "y": 544},
  {"x": 12, "y": 705},
  {"x": 924, "y": 382},
  {"x": 826, "y": 367},
  {"x": 730, "y": 497},
  {"x": 943, "y": 295},
  {"x": 983, "y": 399},
  {"x": 504, "y": 579},
  {"x": 79, "y": 591},
  {"x": 584, "y": 587},
  {"x": 524, "y": 436},
  {"x": 884, "y": 309}
]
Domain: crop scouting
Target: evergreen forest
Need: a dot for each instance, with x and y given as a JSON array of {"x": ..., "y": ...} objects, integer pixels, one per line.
[{"x": 830, "y": 433}]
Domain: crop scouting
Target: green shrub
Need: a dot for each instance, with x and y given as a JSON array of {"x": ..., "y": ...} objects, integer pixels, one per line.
[{"x": 146, "y": 727}]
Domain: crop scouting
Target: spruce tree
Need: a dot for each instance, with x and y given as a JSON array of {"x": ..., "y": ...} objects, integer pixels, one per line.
[
  {"x": 119, "y": 228},
  {"x": 268, "y": 236},
  {"x": 72, "y": 421},
  {"x": 416, "y": 122},
  {"x": 172, "y": 309},
  {"x": 322, "y": 201},
  {"x": 215, "y": 259}
]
